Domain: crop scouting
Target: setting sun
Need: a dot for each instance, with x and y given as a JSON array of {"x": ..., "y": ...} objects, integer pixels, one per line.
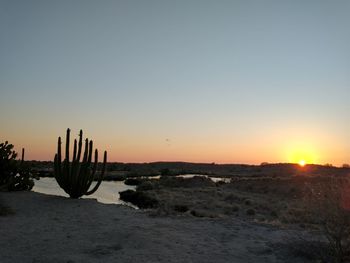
[
  {"x": 302, "y": 152},
  {"x": 302, "y": 163}
]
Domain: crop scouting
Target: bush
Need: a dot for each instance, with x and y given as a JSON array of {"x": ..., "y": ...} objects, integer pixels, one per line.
[
  {"x": 235, "y": 208},
  {"x": 8, "y": 163},
  {"x": 196, "y": 181},
  {"x": 133, "y": 181},
  {"x": 330, "y": 204},
  {"x": 139, "y": 198},
  {"x": 14, "y": 175},
  {"x": 250, "y": 212},
  {"x": 181, "y": 208},
  {"x": 196, "y": 213},
  {"x": 145, "y": 186},
  {"x": 21, "y": 181},
  {"x": 165, "y": 172},
  {"x": 247, "y": 202},
  {"x": 118, "y": 177},
  {"x": 274, "y": 214}
]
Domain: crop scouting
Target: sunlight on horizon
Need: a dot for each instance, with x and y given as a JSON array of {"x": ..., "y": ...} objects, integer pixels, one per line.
[{"x": 302, "y": 163}]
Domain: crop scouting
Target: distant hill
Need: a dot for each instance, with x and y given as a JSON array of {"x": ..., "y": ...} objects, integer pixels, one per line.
[{"x": 226, "y": 170}]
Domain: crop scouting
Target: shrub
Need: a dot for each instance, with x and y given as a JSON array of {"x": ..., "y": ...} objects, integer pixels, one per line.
[
  {"x": 235, "y": 208},
  {"x": 247, "y": 202},
  {"x": 196, "y": 213},
  {"x": 118, "y": 177},
  {"x": 330, "y": 205},
  {"x": 8, "y": 162},
  {"x": 232, "y": 198},
  {"x": 14, "y": 175},
  {"x": 181, "y": 208},
  {"x": 133, "y": 181},
  {"x": 145, "y": 186},
  {"x": 250, "y": 212},
  {"x": 273, "y": 214},
  {"x": 139, "y": 198},
  {"x": 165, "y": 172},
  {"x": 196, "y": 181}
]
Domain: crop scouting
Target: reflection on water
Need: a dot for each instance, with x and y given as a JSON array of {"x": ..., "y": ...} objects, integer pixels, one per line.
[
  {"x": 107, "y": 193},
  {"x": 214, "y": 179}
]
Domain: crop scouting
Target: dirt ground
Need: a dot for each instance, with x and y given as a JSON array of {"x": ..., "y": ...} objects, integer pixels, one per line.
[{"x": 48, "y": 228}]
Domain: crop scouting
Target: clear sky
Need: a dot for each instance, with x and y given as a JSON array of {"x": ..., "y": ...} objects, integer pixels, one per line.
[{"x": 204, "y": 81}]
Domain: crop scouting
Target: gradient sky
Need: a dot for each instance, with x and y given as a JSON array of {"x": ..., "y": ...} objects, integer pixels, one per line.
[{"x": 203, "y": 81}]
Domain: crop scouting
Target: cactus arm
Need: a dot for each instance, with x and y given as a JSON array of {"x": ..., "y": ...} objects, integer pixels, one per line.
[
  {"x": 56, "y": 170},
  {"x": 82, "y": 171},
  {"x": 58, "y": 163},
  {"x": 73, "y": 165},
  {"x": 92, "y": 175},
  {"x": 68, "y": 168},
  {"x": 87, "y": 175},
  {"x": 78, "y": 164},
  {"x": 95, "y": 164},
  {"x": 86, "y": 150},
  {"x": 67, "y": 149},
  {"x": 65, "y": 169},
  {"x": 59, "y": 156},
  {"x": 90, "y": 152},
  {"x": 74, "y": 151},
  {"x": 65, "y": 176},
  {"x": 80, "y": 145},
  {"x": 93, "y": 190},
  {"x": 22, "y": 159},
  {"x": 74, "y": 162}
]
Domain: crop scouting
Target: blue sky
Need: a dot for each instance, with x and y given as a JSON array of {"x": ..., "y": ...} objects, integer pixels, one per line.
[{"x": 241, "y": 81}]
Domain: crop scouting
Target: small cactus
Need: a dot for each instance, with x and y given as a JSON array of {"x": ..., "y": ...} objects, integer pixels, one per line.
[{"x": 75, "y": 177}]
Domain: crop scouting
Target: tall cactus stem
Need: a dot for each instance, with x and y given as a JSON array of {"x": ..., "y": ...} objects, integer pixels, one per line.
[
  {"x": 80, "y": 145},
  {"x": 22, "y": 159}
]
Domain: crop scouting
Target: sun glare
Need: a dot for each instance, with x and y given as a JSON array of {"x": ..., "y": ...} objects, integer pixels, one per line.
[
  {"x": 302, "y": 163},
  {"x": 302, "y": 154}
]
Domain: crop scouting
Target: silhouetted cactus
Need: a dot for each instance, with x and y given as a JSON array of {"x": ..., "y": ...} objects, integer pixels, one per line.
[{"x": 76, "y": 177}]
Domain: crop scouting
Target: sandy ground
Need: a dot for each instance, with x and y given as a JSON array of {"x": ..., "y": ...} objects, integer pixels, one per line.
[{"x": 48, "y": 228}]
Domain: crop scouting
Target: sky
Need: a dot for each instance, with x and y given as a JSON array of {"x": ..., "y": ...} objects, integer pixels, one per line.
[{"x": 220, "y": 81}]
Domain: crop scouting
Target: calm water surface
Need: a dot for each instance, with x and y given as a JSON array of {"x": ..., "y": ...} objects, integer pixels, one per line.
[{"x": 107, "y": 193}]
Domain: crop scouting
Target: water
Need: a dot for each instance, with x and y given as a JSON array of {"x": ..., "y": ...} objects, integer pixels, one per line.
[
  {"x": 214, "y": 179},
  {"x": 107, "y": 193}
]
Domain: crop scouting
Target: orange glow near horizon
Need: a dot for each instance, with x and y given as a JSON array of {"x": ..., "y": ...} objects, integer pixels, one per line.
[
  {"x": 302, "y": 163},
  {"x": 144, "y": 153},
  {"x": 140, "y": 148},
  {"x": 303, "y": 153}
]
